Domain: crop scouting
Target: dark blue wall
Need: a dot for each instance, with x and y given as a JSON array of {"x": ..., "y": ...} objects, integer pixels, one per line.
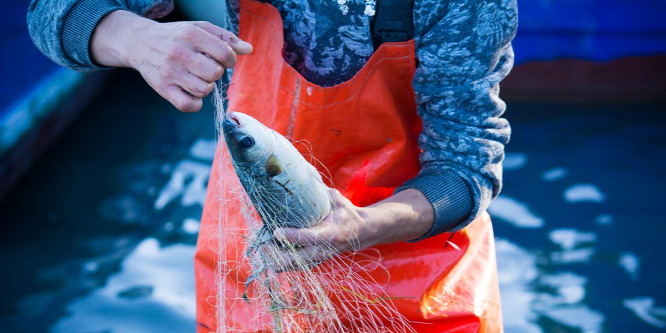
[
  {"x": 21, "y": 64},
  {"x": 597, "y": 30}
]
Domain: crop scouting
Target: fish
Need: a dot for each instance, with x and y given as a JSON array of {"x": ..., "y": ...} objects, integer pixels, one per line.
[{"x": 285, "y": 189}]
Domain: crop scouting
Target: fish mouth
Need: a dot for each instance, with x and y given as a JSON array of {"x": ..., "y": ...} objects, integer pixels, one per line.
[{"x": 231, "y": 122}]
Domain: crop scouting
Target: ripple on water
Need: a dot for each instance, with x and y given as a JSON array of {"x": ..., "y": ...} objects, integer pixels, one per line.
[
  {"x": 188, "y": 181},
  {"x": 514, "y": 161},
  {"x": 529, "y": 294},
  {"x": 153, "y": 292},
  {"x": 554, "y": 174},
  {"x": 584, "y": 193},
  {"x": 514, "y": 212},
  {"x": 570, "y": 240},
  {"x": 644, "y": 308},
  {"x": 630, "y": 263}
]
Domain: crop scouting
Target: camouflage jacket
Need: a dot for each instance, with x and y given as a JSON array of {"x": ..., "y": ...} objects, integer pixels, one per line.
[{"x": 463, "y": 51}]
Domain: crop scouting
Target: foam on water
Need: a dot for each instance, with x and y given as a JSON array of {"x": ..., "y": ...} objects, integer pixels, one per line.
[
  {"x": 644, "y": 308},
  {"x": 514, "y": 161},
  {"x": 153, "y": 283},
  {"x": 554, "y": 174},
  {"x": 514, "y": 212},
  {"x": 584, "y": 193}
]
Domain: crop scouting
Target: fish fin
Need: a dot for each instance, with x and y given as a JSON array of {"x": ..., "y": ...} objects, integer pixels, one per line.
[{"x": 273, "y": 166}]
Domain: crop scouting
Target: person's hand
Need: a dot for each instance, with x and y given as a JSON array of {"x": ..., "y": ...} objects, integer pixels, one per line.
[
  {"x": 404, "y": 216},
  {"x": 180, "y": 60}
]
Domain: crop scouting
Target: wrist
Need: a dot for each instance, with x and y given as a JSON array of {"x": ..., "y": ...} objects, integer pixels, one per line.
[
  {"x": 114, "y": 39},
  {"x": 402, "y": 217}
]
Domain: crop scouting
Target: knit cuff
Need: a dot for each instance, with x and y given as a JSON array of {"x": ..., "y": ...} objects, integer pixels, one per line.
[
  {"x": 78, "y": 28},
  {"x": 449, "y": 195}
]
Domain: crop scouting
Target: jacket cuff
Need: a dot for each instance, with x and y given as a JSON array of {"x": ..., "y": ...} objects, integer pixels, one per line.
[
  {"x": 78, "y": 28},
  {"x": 449, "y": 195}
]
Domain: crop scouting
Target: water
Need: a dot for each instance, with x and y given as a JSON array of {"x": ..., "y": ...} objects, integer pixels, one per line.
[{"x": 100, "y": 235}]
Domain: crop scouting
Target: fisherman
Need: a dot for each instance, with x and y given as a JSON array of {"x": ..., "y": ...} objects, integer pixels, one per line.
[{"x": 410, "y": 108}]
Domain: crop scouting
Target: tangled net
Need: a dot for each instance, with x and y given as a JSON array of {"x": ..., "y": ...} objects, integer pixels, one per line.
[{"x": 343, "y": 294}]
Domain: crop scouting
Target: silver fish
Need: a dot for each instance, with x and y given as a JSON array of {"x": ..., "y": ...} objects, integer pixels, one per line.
[{"x": 285, "y": 189}]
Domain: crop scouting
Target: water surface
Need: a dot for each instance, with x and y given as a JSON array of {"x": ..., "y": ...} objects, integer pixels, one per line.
[{"x": 99, "y": 236}]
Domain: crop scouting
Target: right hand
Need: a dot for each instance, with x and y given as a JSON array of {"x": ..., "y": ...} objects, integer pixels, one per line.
[{"x": 181, "y": 61}]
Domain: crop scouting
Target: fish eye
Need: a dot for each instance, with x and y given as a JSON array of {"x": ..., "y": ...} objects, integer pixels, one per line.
[{"x": 246, "y": 142}]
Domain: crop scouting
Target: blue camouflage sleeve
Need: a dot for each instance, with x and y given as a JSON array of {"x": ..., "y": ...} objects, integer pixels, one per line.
[
  {"x": 463, "y": 51},
  {"x": 61, "y": 29}
]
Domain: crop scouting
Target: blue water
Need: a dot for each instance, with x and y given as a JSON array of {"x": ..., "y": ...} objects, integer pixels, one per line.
[{"x": 99, "y": 236}]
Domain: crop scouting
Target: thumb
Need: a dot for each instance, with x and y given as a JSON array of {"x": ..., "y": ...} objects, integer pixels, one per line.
[
  {"x": 295, "y": 236},
  {"x": 238, "y": 45}
]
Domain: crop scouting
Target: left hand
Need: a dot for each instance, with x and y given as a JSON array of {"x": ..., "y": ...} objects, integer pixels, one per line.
[{"x": 404, "y": 216}]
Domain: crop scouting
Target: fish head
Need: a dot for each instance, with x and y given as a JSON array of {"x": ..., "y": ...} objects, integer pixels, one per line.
[{"x": 248, "y": 140}]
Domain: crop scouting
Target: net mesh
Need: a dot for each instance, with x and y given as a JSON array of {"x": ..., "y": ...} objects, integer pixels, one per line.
[{"x": 255, "y": 292}]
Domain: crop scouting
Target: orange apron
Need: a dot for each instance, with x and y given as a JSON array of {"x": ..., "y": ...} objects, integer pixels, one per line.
[{"x": 363, "y": 129}]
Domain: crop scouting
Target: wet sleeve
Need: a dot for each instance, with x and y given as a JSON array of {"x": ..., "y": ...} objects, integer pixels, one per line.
[
  {"x": 61, "y": 29},
  {"x": 463, "y": 51}
]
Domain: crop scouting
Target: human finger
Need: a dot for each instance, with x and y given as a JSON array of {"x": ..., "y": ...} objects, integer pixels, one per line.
[
  {"x": 337, "y": 198},
  {"x": 303, "y": 237},
  {"x": 205, "y": 68},
  {"x": 182, "y": 100},
  {"x": 301, "y": 258},
  {"x": 217, "y": 49},
  {"x": 238, "y": 45},
  {"x": 194, "y": 85}
]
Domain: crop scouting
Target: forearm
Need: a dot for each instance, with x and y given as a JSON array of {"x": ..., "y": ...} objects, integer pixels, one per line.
[
  {"x": 179, "y": 60},
  {"x": 62, "y": 29},
  {"x": 113, "y": 37},
  {"x": 405, "y": 216},
  {"x": 463, "y": 57}
]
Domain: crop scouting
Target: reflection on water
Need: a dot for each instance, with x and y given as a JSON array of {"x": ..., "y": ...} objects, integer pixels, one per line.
[
  {"x": 515, "y": 212},
  {"x": 584, "y": 193},
  {"x": 153, "y": 292},
  {"x": 578, "y": 233},
  {"x": 645, "y": 309}
]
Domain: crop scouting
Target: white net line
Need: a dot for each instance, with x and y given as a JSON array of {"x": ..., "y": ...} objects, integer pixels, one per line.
[{"x": 344, "y": 294}]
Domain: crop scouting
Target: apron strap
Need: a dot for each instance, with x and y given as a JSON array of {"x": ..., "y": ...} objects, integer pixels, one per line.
[{"x": 393, "y": 21}]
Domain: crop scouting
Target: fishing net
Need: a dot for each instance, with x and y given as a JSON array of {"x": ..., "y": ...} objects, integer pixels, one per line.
[{"x": 264, "y": 285}]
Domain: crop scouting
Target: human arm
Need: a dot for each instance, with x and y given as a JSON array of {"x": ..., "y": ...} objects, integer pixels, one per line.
[
  {"x": 403, "y": 216},
  {"x": 179, "y": 60},
  {"x": 62, "y": 29},
  {"x": 463, "y": 51}
]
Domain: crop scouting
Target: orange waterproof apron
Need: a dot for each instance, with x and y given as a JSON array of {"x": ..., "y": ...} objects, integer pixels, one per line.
[{"x": 366, "y": 126}]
